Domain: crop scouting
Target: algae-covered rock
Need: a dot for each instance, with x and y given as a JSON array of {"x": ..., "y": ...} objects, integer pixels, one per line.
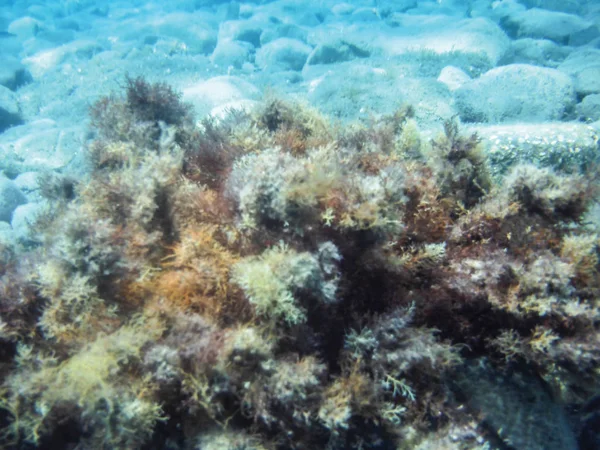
[{"x": 562, "y": 146}]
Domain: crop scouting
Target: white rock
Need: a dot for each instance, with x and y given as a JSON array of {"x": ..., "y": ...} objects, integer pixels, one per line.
[
  {"x": 453, "y": 77},
  {"x": 516, "y": 92},
  {"x": 220, "y": 112},
  {"x": 25, "y": 27},
  {"x": 49, "y": 60},
  {"x": 208, "y": 94},
  {"x": 39, "y": 145},
  {"x": 342, "y": 9}
]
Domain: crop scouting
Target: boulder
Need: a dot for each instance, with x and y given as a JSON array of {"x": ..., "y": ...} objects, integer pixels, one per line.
[
  {"x": 10, "y": 113},
  {"x": 335, "y": 51},
  {"x": 517, "y": 92},
  {"x": 567, "y": 146},
  {"x": 241, "y": 30},
  {"x": 25, "y": 27},
  {"x": 23, "y": 217},
  {"x": 453, "y": 77},
  {"x": 231, "y": 54},
  {"x": 584, "y": 66},
  {"x": 10, "y": 198},
  {"x": 559, "y": 27},
  {"x": 538, "y": 52},
  {"x": 283, "y": 54},
  {"x": 589, "y": 108},
  {"x": 39, "y": 145},
  {"x": 284, "y": 30},
  {"x": 568, "y": 6},
  {"x": 13, "y": 73},
  {"x": 214, "y": 92}
]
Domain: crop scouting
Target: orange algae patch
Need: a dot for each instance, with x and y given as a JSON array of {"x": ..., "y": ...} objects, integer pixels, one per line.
[{"x": 195, "y": 277}]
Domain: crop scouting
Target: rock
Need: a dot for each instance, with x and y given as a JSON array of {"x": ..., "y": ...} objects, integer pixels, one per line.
[
  {"x": 453, "y": 77},
  {"x": 283, "y": 54},
  {"x": 27, "y": 183},
  {"x": 539, "y": 52},
  {"x": 10, "y": 198},
  {"x": 589, "y": 108},
  {"x": 342, "y": 9},
  {"x": 285, "y": 30},
  {"x": 231, "y": 54},
  {"x": 439, "y": 35},
  {"x": 192, "y": 31},
  {"x": 46, "y": 61},
  {"x": 543, "y": 24},
  {"x": 10, "y": 113},
  {"x": 584, "y": 66},
  {"x": 365, "y": 15},
  {"x": 241, "y": 30},
  {"x": 584, "y": 37},
  {"x": 560, "y": 145},
  {"x": 23, "y": 217},
  {"x": 57, "y": 37},
  {"x": 309, "y": 19},
  {"x": 25, "y": 27},
  {"x": 516, "y": 92},
  {"x": 518, "y": 404},
  {"x": 13, "y": 74},
  {"x": 209, "y": 94},
  {"x": 9, "y": 44},
  {"x": 568, "y": 6},
  {"x": 336, "y": 51},
  {"x": 480, "y": 8},
  {"x": 7, "y": 239},
  {"x": 502, "y": 10},
  {"x": 387, "y": 6},
  {"x": 222, "y": 111},
  {"x": 228, "y": 11},
  {"x": 69, "y": 23},
  {"x": 355, "y": 90},
  {"x": 39, "y": 145}
]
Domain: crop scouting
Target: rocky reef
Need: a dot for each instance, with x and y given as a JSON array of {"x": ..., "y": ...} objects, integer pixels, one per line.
[{"x": 273, "y": 279}]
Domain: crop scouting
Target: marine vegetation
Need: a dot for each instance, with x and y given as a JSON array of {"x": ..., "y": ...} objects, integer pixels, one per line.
[{"x": 274, "y": 280}]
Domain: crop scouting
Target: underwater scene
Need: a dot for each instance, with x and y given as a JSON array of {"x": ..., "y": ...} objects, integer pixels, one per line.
[{"x": 293, "y": 225}]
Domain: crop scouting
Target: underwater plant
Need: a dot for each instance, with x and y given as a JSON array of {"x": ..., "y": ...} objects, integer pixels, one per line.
[{"x": 274, "y": 281}]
